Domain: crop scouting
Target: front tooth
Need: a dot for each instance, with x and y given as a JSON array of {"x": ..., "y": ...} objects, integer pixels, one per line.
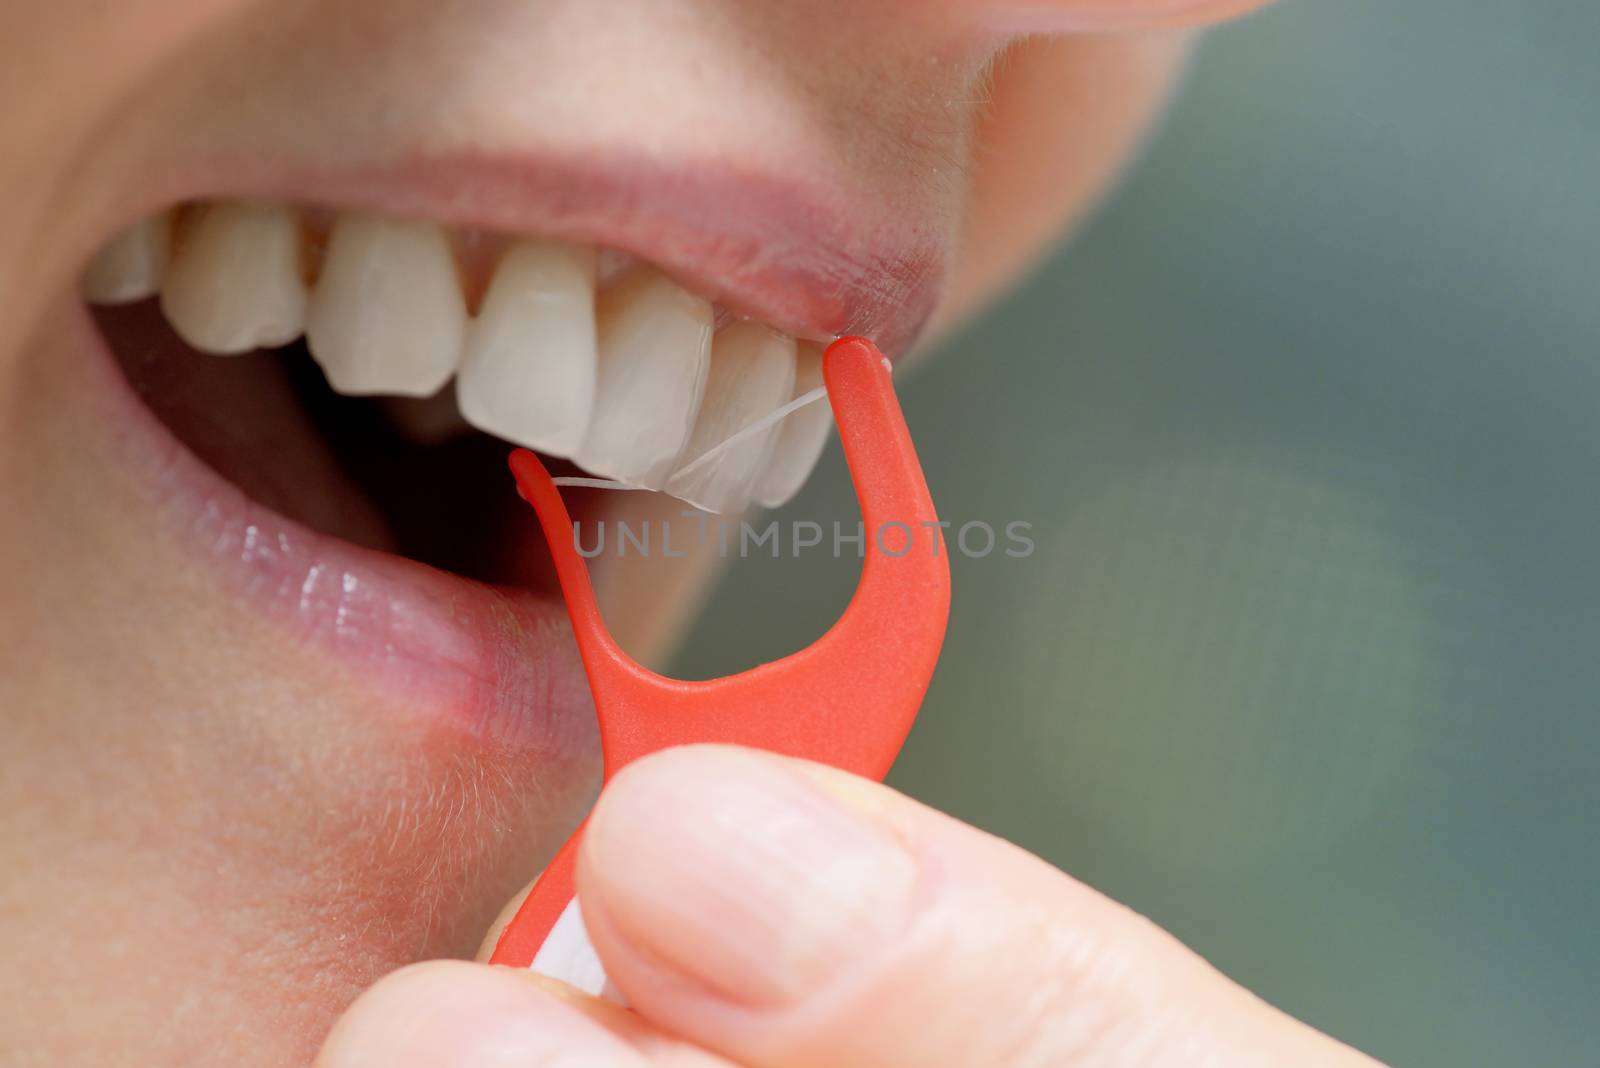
[
  {"x": 528, "y": 374},
  {"x": 752, "y": 373},
  {"x": 131, "y": 265},
  {"x": 387, "y": 314},
  {"x": 800, "y": 439},
  {"x": 235, "y": 282},
  {"x": 655, "y": 344}
]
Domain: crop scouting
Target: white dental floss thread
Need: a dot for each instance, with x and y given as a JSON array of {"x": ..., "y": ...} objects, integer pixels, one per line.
[
  {"x": 595, "y": 483},
  {"x": 774, "y": 416}
]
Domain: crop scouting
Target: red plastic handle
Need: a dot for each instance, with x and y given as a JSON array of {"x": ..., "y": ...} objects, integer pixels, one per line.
[{"x": 848, "y": 699}]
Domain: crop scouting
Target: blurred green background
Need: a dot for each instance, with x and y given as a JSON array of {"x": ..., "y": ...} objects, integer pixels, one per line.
[{"x": 1307, "y": 422}]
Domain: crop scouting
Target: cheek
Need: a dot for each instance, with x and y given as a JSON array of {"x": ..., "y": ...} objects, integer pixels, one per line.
[
  {"x": 81, "y": 57},
  {"x": 71, "y": 74},
  {"x": 1065, "y": 114}
]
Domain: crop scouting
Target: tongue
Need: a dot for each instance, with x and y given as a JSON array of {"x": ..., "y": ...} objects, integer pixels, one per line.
[{"x": 243, "y": 416}]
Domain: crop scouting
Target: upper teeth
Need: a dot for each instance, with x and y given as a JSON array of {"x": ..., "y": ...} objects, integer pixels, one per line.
[
  {"x": 633, "y": 384},
  {"x": 529, "y": 369},
  {"x": 387, "y": 314},
  {"x": 237, "y": 283},
  {"x": 752, "y": 373}
]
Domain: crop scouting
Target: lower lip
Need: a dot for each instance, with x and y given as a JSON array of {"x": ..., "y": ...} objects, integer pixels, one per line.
[{"x": 497, "y": 662}]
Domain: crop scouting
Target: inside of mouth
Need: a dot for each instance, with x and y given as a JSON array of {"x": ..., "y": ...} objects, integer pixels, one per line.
[{"x": 359, "y": 468}]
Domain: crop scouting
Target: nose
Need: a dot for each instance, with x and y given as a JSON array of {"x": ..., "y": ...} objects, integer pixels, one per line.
[{"x": 1013, "y": 17}]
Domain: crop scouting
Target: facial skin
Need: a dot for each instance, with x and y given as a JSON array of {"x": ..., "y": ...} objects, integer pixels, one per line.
[{"x": 218, "y": 829}]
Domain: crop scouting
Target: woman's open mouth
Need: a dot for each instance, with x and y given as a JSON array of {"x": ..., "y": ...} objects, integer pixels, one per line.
[
  {"x": 459, "y": 336},
  {"x": 355, "y": 380}
]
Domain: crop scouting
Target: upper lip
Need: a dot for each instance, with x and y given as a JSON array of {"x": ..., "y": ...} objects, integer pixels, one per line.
[{"x": 806, "y": 257}]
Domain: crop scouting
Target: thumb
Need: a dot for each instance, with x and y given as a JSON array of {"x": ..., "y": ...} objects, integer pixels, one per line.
[
  {"x": 454, "y": 1013},
  {"x": 451, "y": 1014},
  {"x": 788, "y": 915}
]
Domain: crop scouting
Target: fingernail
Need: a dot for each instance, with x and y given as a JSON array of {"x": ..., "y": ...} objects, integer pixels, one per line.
[{"x": 742, "y": 873}]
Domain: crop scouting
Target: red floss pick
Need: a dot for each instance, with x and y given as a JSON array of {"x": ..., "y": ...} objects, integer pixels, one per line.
[{"x": 848, "y": 699}]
